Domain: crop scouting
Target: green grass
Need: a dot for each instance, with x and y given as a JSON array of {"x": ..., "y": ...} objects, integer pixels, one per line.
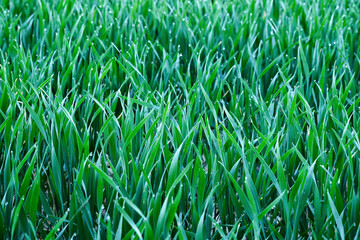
[{"x": 175, "y": 119}]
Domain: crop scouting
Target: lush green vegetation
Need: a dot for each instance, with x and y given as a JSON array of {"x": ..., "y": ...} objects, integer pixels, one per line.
[{"x": 173, "y": 119}]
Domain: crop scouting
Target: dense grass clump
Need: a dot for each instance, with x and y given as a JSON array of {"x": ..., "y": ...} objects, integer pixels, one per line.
[{"x": 174, "y": 119}]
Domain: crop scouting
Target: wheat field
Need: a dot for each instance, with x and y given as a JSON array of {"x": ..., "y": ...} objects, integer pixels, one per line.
[{"x": 174, "y": 119}]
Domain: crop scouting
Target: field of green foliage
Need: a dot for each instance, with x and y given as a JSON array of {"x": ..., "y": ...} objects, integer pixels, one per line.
[{"x": 174, "y": 119}]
